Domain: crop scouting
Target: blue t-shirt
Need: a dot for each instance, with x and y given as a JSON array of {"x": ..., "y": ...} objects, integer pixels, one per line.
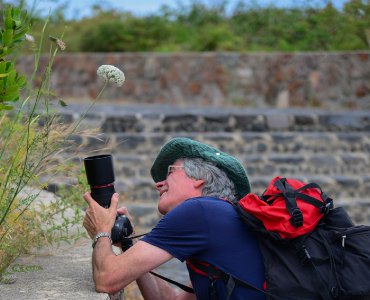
[{"x": 209, "y": 229}]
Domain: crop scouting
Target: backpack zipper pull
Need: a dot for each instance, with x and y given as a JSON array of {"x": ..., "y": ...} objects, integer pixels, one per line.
[{"x": 343, "y": 240}]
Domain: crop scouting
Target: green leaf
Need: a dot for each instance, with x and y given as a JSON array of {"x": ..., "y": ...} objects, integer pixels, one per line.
[
  {"x": 7, "y": 12},
  {"x": 17, "y": 23},
  {"x": 22, "y": 81},
  {"x": 8, "y": 23},
  {"x": 21, "y": 32},
  {"x": 10, "y": 96},
  {"x": 3, "y": 67},
  {"x": 5, "y": 107},
  {"x": 2, "y": 75},
  {"x": 16, "y": 13},
  {"x": 62, "y": 103},
  {"x": 4, "y": 52},
  {"x": 13, "y": 89},
  {"x": 11, "y": 77},
  {"x": 7, "y": 37},
  {"x": 9, "y": 65}
]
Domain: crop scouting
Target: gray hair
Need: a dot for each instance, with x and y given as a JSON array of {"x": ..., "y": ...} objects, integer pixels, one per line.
[{"x": 217, "y": 184}]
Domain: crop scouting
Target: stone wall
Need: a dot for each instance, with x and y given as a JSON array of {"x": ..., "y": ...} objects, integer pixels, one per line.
[
  {"x": 325, "y": 80},
  {"x": 330, "y": 148}
]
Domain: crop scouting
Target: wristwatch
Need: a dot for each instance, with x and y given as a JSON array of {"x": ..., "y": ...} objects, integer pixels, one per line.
[{"x": 99, "y": 235}]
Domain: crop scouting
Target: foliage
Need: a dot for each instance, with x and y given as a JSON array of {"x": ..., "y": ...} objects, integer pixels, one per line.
[
  {"x": 201, "y": 27},
  {"x": 123, "y": 33},
  {"x": 16, "y": 25},
  {"x": 32, "y": 141}
]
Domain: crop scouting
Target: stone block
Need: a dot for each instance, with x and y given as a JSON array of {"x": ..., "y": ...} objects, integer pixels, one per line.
[{"x": 278, "y": 121}]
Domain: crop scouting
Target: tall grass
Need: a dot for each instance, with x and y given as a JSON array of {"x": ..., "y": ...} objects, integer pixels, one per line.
[{"x": 32, "y": 139}]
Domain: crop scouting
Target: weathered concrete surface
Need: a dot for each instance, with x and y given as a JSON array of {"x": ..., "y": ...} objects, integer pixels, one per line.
[{"x": 65, "y": 274}]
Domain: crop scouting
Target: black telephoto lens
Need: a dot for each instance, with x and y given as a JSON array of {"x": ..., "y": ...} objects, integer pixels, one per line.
[{"x": 100, "y": 177}]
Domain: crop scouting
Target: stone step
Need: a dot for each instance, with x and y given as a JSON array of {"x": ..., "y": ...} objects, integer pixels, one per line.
[
  {"x": 324, "y": 163},
  {"x": 166, "y": 118},
  {"x": 245, "y": 143},
  {"x": 330, "y": 148}
]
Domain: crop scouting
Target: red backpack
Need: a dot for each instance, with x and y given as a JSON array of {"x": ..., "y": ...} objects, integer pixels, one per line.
[
  {"x": 311, "y": 250},
  {"x": 288, "y": 207}
]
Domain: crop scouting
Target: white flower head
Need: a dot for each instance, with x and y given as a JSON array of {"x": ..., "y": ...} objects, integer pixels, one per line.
[
  {"x": 29, "y": 38},
  {"x": 112, "y": 74}
]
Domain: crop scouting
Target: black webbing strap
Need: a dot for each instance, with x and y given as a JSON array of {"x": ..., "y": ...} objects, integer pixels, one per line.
[
  {"x": 324, "y": 206},
  {"x": 269, "y": 199},
  {"x": 290, "y": 197},
  {"x": 178, "y": 284}
]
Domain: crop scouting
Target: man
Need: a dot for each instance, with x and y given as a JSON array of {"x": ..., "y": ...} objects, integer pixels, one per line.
[{"x": 196, "y": 184}]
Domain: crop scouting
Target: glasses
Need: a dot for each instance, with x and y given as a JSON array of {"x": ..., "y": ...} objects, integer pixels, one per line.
[{"x": 172, "y": 168}]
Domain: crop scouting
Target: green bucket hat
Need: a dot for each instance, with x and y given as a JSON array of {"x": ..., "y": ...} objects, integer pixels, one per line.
[{"x": 188, "y": 148}]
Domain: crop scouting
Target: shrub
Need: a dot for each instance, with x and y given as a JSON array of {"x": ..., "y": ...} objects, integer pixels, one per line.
[{"x": 307, "y": 26}]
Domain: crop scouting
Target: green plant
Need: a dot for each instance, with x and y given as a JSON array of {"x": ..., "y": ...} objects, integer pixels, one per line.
[
  {"x": 32, "y": 141},
  {"x": 16, "y": 25}
]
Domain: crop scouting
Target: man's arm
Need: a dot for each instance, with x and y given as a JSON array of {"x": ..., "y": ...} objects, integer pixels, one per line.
[{"x": 112, "y": 273}]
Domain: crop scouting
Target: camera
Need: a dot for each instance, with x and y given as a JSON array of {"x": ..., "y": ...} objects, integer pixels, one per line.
[{"x": 100, "y": 177}]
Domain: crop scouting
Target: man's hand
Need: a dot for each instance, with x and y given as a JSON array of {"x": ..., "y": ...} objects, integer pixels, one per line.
[
  {"x": 97, "y": 218},
  {"x": 124, "y": 211}
]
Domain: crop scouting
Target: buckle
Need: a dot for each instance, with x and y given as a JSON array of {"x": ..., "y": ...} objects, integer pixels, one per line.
[
  {"x": 297, "y": 218},
  {"x": 328, "y": 205}
]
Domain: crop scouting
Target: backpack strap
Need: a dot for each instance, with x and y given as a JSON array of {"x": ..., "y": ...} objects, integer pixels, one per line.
[
  {"x": 324, "y": 206},
  {"x": 291, "y": 195},
  {"x": 214, "y": 273}
]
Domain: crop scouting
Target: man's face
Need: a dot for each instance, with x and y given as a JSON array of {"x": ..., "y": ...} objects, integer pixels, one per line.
[{"x": 177, "y": 188}]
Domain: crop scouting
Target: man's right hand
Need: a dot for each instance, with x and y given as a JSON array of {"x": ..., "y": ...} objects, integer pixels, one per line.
[{"x": 97, "y": 218}]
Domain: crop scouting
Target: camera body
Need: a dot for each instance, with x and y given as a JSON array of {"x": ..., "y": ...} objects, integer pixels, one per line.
[{"x": 100, "y": 177}]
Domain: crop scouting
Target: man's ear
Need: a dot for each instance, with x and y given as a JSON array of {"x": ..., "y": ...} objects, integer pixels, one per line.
[{"x": 198, "y": 183}]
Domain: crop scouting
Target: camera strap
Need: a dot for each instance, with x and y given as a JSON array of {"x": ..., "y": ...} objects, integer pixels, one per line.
[{"x": 178, "y": 284}]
